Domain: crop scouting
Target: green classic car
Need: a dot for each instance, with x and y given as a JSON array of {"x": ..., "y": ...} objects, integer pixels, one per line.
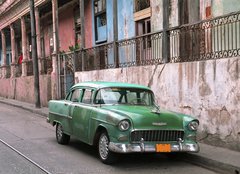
[{"x": 121, "y": 118}]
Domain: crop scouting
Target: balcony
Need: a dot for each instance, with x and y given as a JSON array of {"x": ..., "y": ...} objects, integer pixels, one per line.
[{"x": 209, "y": 39}]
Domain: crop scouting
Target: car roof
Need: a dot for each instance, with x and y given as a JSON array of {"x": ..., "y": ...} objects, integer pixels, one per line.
[{"x": 102, "y": 84}]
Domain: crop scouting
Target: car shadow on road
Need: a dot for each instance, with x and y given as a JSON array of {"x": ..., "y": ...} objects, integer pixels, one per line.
[{"x": 133, "y": 160}]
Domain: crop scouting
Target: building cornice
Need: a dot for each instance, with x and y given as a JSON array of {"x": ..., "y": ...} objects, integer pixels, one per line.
[{"x": 16, "y": 10}]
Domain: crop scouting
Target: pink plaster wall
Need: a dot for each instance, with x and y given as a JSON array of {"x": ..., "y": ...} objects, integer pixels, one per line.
[
  {"x": 66, "y": 29},
  {"x": 88, "y": 25},
  {"x": 47, "y": 34},
  {"x": 22, "y": 89}
]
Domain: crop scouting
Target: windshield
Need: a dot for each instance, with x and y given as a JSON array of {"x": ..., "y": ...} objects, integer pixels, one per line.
[{"x": 131, "y": 96}]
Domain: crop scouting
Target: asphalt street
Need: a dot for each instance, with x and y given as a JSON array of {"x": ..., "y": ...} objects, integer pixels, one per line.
[{"x": 31, "y": 135}]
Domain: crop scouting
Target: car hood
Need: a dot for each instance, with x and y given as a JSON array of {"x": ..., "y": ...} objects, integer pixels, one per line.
[{"x": 143, "y": 117}]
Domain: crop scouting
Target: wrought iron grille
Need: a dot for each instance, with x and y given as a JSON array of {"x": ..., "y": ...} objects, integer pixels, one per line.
[
  {"x": 210, "y": 39},
  {"x": 142, "y": 50},
  {"x": 46, "y": 65},
  {"x": 141, "y": 4},
  {"x": 8, "y": 71},
  {"x": 66, "y": 72},
  {"x": 99, "y": 57},
  {"x": 29, "y": 67},
  {"x": 156, "y": 135},
  {"x": 18, "y": 70}
]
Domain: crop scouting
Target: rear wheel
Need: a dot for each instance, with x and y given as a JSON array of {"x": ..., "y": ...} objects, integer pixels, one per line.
[
  {"x": 61, "y": 137},
  {"x": 106, "y": 156}
]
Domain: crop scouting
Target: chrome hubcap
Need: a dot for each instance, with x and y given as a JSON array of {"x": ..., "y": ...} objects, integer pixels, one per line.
[
  {"x": 103, "y": 146},
  {"x": 59, "y": 132}
]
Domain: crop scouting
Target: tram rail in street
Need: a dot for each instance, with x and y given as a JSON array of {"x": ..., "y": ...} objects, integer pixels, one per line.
[{"x": 25, "y": 157}]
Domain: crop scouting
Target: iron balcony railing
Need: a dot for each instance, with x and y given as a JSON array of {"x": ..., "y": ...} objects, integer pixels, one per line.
[
  {"x": 29, "y": 65},
  {"x": 208, "y": 39}
]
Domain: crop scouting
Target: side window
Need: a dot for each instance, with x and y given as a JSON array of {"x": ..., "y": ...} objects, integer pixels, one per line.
[
  {"x": 99, "y": 99},
  {"x": 76, "y": 95},
  {"x": 69, "y": 96},
  {"x": 87, "y": 96}
]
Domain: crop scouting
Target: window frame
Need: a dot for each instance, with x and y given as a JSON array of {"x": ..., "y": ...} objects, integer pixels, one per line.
[
  {"x": 83, "y": 95},
  {"x": 79, "y": 97},
  {"x": 97, "y": 15}
]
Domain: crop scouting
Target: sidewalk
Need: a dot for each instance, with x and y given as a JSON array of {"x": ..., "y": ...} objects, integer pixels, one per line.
[
  {"x": 215, "y": 158},
  {"x": 27, "y": 106}
]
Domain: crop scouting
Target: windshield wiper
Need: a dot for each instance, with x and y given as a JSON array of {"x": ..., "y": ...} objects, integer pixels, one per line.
[{"x": 156, "y": 109}]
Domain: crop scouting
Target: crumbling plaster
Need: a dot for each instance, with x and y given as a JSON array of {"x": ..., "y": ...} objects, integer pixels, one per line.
[
  {"x": 208, "y": 90},
  {"x": 22, "y": 89}
]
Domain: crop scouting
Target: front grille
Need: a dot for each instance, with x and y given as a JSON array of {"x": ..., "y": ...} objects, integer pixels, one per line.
[{"x": 156, "y": 135}]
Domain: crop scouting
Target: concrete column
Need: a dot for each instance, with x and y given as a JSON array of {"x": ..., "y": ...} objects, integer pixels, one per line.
[
  {"x": 4, "y": 55},
  {"x": 115, "y": 33},
  {"x": 55, "y": 75},
  {"x": 13, "y": 47},
  {"x": 81, "y": 6},
  {"x": 24, "y": 47},
  {"x": 165, "y": 38},
  {"x": 38, "y": 38}
]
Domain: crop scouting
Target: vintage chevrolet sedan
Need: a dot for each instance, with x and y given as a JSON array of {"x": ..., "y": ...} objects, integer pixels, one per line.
[{"x": 121, "y": 118}]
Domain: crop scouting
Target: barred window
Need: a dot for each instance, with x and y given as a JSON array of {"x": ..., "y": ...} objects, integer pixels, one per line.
[{"x": 141, "y": 4}]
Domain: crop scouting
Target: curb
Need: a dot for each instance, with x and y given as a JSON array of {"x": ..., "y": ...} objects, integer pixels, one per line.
[
  {"x": 33, "y": 110},
  {"x": 211, "y": 164}
]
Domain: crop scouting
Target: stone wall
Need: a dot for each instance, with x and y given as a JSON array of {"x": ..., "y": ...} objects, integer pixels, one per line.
[
  {"x": 208, "y": 90},
  {"x": 22, "y": 89}
]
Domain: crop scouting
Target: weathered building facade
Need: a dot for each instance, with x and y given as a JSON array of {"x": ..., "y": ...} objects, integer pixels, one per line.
[{"x": 187, "y": 51}]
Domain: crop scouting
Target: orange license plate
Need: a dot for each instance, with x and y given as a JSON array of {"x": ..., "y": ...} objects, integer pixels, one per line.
[{"x": 163, "y": 148}]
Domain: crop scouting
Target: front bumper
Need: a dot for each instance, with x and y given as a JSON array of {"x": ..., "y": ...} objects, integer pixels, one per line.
[
  {"x": 141, "y": 147},
  {"x": 48, "y": 120}
]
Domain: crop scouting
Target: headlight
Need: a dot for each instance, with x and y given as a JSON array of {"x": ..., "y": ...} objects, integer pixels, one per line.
[
  {"x": 124, "y": 125},
  {"x": 193, "y": 125}
]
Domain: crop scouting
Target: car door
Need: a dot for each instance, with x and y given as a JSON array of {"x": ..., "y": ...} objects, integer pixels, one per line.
[
  {"x": 81, "y": 115},
  {"x": 74, "y": 99},
  {"x": 63, "y": 110}
]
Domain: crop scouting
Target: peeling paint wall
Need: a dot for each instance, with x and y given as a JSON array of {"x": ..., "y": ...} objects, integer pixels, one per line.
[
  {"x": 47, "y": 34},
  {"x": 173, "y": 14},
  {"x": 157, "y": 15},
  {"x": 222, "y": 7},
  {"x": 208, "y": 90},
  {"x": 22, "y": 89},
  {"x": 205, "y": 9},
  {"x": 126, "y": 24}
]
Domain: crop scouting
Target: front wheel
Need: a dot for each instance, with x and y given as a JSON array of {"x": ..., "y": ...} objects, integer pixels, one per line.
[
  {"x": 106, "y": 156},
  {"x": 61, "y": 137}
]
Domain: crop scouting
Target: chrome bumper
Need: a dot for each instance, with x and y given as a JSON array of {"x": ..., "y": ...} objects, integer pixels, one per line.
[{"x": 140, "y": 147}]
